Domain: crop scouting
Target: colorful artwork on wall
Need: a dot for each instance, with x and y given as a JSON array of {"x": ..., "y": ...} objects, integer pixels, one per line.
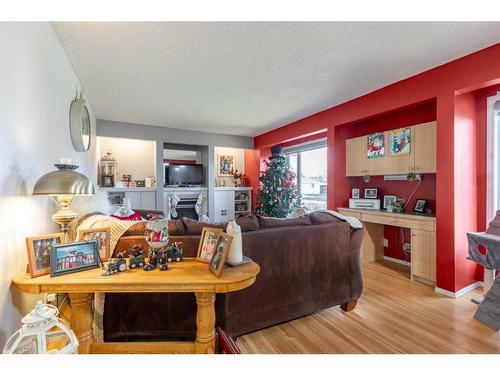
[
  {"x": 376, "y": 145},
  {"x": 225, "y": 165},
  {"x": 400, "y": 140}
]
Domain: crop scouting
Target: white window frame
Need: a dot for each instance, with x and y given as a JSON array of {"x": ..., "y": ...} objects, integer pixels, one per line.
[
  {"x": 493, "y": 156},
  {"x": 298, "y": 149}
]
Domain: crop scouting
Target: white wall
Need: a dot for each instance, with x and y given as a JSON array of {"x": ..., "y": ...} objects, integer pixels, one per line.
[
  {"x": 133, "y": 156},
  {"x": 37, "y": 85},
  {"x": 239, "y": 162}
]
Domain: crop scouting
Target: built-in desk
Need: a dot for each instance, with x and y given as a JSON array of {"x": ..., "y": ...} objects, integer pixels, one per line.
[{"x": 423, "y": 239}]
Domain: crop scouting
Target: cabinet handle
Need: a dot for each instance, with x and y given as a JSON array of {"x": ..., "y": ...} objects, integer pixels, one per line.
[{"x": 417, "y": 168}]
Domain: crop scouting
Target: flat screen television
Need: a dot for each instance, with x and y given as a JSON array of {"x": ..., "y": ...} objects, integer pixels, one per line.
[{"x": 184, "y": 174}]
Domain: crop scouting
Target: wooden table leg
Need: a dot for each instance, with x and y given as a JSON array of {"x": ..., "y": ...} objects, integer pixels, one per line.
[
  {"x": 81, "y": 319},
  {"x": 205, "y": 323}
]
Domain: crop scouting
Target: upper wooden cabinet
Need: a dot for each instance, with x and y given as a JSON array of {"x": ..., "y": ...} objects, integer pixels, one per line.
[
  {"x": 355, "y": 149},
  {"x": 421, "y": 159},
  {"x": 425, "y": 147}
]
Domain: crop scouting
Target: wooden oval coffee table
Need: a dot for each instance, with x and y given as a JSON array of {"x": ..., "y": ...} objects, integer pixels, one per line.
[{"x": 186, "y": 276}]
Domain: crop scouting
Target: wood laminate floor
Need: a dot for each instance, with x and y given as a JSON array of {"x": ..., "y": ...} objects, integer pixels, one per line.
[{"x": 394, "y": 315}]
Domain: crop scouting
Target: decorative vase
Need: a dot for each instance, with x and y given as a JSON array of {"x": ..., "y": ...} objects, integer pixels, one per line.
[{"x": 235, "y": 254}]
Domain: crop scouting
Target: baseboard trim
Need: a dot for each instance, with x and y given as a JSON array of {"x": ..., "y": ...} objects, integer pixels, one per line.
[
  {"x": 398, "y": 261},
  {"x": 461, "y": 292}
]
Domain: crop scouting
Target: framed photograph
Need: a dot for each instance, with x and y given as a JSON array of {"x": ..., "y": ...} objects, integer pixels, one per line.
[
  {"x": 389, "y": 200},
  {"x": 221, "y": 250},
  {"x": 107, "y": 181},
  {"x": 208, "y": 242},
  {"x": 355, "y": 193},
  {"x": 225, "y": 165},
  {"x": 420, "y": 205},
  {"x": 371, "y": 193},
  {"x": 39, "y": 252},
  {"x": 74, "y": 257},
  {"x": 399, "y": 141},
  {"x": 376, "y": 145},
  {"x": 99, "y": 234}
]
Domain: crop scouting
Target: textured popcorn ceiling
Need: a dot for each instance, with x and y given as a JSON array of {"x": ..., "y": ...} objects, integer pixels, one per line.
[{"x": 247, "y": 78}]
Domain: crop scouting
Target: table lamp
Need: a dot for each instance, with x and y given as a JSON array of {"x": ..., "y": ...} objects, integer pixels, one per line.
[{"x": 61, "y": 186}]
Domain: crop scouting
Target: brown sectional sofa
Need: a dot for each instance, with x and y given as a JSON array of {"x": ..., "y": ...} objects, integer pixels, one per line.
[{"x": 307, "y": 264}]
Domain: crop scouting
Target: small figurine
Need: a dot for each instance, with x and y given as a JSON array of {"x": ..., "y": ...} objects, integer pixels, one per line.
[
  {"x": 162, "y": 260},
  {"x": 148, "y": 267},
  {"x": 114, "y": 266},
  {"x": 163, "y": 267},
  {"x": 175, "y": 253},
  {"x": 136, "y": 258},
  {"x": 153, "y": 257}
]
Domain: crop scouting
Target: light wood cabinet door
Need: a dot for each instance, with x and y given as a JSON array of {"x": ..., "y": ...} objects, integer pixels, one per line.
[
  {"x": 376, "y": 166},
  {"x": 401, "y": 164},
  {"x": 423, "y": 254},
  {"x": 355, "y": 156},
  {"x": 424, "y": 141}
]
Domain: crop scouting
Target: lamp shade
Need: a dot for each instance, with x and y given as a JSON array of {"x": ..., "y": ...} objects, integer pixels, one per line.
[{"x": 65, "y": 181}]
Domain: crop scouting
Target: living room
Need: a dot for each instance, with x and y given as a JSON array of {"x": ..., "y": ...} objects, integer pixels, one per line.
[{"x": 324, "y": 187}]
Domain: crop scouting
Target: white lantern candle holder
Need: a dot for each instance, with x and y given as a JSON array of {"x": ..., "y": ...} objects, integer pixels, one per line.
[{"x": 43, "y": 332}]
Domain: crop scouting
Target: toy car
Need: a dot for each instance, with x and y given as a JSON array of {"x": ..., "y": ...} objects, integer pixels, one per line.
[
  {"x": 136, "y": 257},
  {"x": 149, "y": 267},
  {"x": 175, "y": 253},
  {"x": 115, "y": 265}
]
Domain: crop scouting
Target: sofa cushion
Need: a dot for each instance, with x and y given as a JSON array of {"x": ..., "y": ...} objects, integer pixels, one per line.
[
  {"x": 248, "y": 223},
  {"x": 273, "y": 222},
  {"x": 319, "y": 217},
  {"x": 194, "y": 227},
  {"x": 150, "y": 214}
]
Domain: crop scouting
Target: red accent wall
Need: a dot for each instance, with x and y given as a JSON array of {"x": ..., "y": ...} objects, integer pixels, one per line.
[{"x": 443, "y": 85}]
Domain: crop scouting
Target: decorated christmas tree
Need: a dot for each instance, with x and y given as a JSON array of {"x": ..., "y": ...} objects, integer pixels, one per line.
[{"x": 278, "y": 194}]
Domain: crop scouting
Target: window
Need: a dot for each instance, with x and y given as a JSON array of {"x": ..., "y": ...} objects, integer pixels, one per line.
[
  {"x": 308, "y": 161},
  {"x": 493, "y": 161}
]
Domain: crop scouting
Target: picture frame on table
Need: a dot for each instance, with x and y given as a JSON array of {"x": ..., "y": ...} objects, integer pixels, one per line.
[
  {"x": 420, "y": 205},
  {"x": 74, "y": 257},
  {"x": 100, "y": 234},
  {"x": 208, "y": 242},
  {"x": 371, "y": 193},
  {"x": 39, "y": 248},
  {"x": 222, "y": 249},
  {"x": 389, "y": 200},
  {"x": 355, "y": 193}
]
